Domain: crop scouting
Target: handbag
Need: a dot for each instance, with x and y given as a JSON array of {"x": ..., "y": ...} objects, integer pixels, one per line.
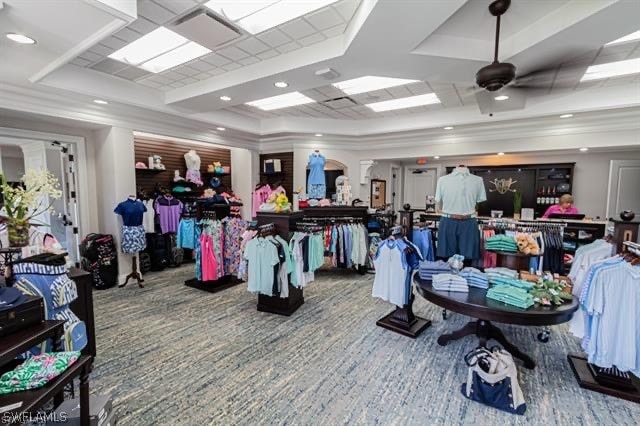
[{"x": 493, "y": 380}]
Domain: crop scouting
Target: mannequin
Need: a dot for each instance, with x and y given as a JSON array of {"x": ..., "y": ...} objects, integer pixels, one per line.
[
  {"x": 316, "y": 184},
  {"x": 459, "y": 192},
  {"x": 133, "y": 234},
  {"x": 192, "y": 159}
]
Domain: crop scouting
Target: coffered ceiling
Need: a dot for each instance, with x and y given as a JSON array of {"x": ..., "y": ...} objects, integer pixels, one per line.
[
  {"x": 438, "y": 44},
  {"x": 312, "y": 28}
]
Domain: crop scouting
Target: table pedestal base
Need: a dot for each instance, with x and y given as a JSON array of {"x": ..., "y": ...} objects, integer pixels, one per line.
[
  {"x": 403, "y": 321},
  {"x": 486, "y": 331}
]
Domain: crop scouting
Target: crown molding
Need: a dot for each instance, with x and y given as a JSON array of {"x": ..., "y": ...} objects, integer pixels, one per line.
[
  {"x": 541, "y": 127},
  {"x": 28, "y": 100}
]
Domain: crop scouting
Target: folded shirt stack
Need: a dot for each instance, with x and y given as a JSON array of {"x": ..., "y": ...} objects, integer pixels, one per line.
[
  {"x": 511, "y": 296},
  {"x": 494, "y": 273},
  {"x": 525, "y": 285},
  {"x": 501, "y": 243},
  {"x": 450, "y": 282},
  {"x": 428, "y": 269},
  {"x": 475, "y": 278}
]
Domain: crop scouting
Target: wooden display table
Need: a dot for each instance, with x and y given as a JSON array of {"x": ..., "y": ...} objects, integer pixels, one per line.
[
  {"x": 516, "y": 261},
  {"x": 31, "y": 400},
  {"x": 476, "y": 305}
]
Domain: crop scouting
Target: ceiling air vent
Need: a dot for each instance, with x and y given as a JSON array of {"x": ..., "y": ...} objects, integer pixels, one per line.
[
  {"x": 206, "y": 29},
  {"x": 339, "y": 103}
]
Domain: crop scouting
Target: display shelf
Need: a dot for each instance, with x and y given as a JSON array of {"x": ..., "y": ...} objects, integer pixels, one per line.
[
  {"x": 214, "y": 174},
  {"x": 150, "y": 171}
]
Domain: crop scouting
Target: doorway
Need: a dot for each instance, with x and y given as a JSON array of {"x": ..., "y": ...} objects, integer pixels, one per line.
[
  {"x": 420, "y": 182},
  {"x": 624, "y": 176}
]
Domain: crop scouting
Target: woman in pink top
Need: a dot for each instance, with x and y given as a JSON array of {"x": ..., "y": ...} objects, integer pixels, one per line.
[{"x": 564, "y": 207}]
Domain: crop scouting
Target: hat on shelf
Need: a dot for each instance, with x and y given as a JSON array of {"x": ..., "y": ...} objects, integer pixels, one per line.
[
  {"x": 180, "y": 188},
  {"x": 140, "y": 165},
  {"x": 313, "y": 202},
  {"x": 215, "y": 182},
  {"x": 325, "y": 202},
  {"x": 209, "y": 193}
]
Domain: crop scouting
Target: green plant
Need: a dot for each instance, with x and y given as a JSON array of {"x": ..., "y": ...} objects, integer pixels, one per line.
[
  {"x": 517, "y": 202},
  {"x": 548, "y": 293}
]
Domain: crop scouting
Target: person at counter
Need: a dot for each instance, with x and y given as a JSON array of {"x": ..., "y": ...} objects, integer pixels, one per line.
[{"x": 565, "y": 206}]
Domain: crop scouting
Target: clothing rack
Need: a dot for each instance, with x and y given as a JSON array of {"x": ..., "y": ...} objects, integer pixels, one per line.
[
  {"x": 316, "y": 224},
  {"x": 609, "y": 381},
  {"x": 402, "y": 320},
  {"x": 275, "y": 304},
  {"x": 212, "y": 211}
]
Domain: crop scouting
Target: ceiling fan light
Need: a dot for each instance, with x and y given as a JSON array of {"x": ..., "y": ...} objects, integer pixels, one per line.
[{"x": 495, "y": 75}]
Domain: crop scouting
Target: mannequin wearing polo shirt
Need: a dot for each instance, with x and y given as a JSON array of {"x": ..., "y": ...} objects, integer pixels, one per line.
[
  {"x": 133, "y": 235},
  {"x": 459, "y": 192}
]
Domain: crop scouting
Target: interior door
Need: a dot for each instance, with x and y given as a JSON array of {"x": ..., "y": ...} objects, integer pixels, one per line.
[
  {"x": 419, "y": 182},
  {"x": 624, "y": 176}
]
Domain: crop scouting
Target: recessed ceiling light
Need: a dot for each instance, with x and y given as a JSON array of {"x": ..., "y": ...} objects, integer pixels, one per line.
[
  {"x": 612, "y": 69},
  {"x": 256, "y": 16},
  {"x": 501, "y": 98},
  {"x": 281, "y": 101},
  {"x": 100, "y": 101},
  {"x": 20, "y": 38},
  {"x": 369, "y": 83},
  {"x": 319, "y": 135},
  {"x": 281, "y": 84},
  {"x": 411, "y": 101},
  {"x": 448, "y": 128},
  {"x": 159, "y": 50},
  {"x": 222, "y": 129},
  {"x": 501, "y": 153},
  {"x": 629, "y": 37},
  {"x": 584, "y": 149},
  {"x": 437, "y": 157},
  {"x": 225, "y": 98},
  {"x": 566, "y": 116}
]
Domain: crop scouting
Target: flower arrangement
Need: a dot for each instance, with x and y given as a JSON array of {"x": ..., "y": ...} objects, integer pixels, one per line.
[
  {"x": 546, "y": 292},
  {"x": 24, "y": 203}
]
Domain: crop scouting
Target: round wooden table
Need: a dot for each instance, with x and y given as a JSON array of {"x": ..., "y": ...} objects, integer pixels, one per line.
[{"x": 475, "y": 304}]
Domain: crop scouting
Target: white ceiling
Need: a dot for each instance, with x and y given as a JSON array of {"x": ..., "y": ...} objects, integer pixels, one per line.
[
  {"x": 439, "y": 43},
  {"x": 305, "y": 31}
]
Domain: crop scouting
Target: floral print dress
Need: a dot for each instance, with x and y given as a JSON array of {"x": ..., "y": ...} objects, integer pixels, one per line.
[{"x": 234, "y": 228}]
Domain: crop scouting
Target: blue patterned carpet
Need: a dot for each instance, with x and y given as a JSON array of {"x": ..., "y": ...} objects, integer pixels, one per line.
[{"x": 173, "y": 355}]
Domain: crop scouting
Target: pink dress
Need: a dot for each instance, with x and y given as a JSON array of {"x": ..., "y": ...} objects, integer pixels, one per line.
[{"x": 208, "y": 259}]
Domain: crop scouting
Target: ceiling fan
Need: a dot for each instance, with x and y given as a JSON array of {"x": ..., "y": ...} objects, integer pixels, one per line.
[{"x": 498, "y": 75}]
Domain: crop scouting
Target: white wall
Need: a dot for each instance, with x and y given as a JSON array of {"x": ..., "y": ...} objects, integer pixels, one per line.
[
  {"x": 244, "y": 176},
  {"x": 115, "y": 173}
]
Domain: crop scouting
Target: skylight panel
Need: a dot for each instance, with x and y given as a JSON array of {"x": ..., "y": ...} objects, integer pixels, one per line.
[
  {"x": 256, "y": 16},
  {"x": 370, "y": 83},
  {"x": 409, "y": 102},
  {"x": 612, "y": 69},
  {"x": 185, "y": 53},
  {"x": 281, "y": 101},
  {"x": 155, "y": 43}
]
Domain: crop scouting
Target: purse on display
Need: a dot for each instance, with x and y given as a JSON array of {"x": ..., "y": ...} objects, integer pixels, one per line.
[{"x": 493, "y": 380}]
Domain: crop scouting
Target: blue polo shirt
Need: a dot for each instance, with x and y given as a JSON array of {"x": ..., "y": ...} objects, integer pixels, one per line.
[{"x": 131, "y": 211}]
